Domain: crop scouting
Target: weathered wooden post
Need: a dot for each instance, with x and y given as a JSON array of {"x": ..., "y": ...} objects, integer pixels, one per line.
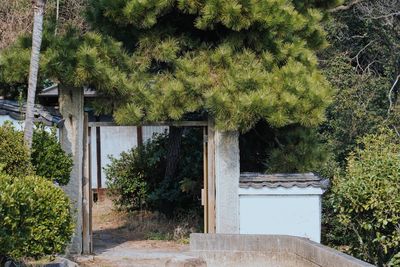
[
  {"x": 71, "y": 102},
  {"x": 86, "y": 193}
]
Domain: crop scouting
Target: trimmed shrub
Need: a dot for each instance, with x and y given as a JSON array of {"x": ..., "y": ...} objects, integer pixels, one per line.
[
  {"x": 48, "y": 158},
  {"x": 366, "y": 199},
  {"x": 14, "y": 155},
  {"x": 35, "y": 218}
]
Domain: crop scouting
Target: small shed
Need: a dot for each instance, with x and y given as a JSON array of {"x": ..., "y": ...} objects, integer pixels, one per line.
[{"x": 281, "y": 204}]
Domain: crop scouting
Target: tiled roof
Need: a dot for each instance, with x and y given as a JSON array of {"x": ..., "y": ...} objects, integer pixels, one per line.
[
  {"x": 52, "y": 91},
  {"x": 286, "y": 180},
  {"x": 17, "y": 112}
]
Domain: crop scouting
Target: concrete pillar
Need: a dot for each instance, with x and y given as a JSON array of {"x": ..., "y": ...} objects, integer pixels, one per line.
[
  {"x": 71, "y": 138},
  {"x": 227, "y": 174}
]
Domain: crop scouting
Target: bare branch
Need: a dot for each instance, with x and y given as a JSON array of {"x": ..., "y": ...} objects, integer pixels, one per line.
[
  {"x": 345, "y": 7},
  {"x": 356, "y": 57},
  {"x": 390, "y": 94}
]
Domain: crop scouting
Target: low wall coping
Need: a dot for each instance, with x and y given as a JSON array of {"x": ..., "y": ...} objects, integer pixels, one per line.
[{"x": 311, "y": 251}]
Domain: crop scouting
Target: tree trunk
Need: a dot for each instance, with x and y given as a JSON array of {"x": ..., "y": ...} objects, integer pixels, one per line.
[
  {"x": 173, "y": 151},
  {"x": 38, "y": 9}
]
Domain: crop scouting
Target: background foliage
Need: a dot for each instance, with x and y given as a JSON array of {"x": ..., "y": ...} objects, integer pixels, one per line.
[
  {"x": 14, "y": 155},
  {"x": 48, "y": 158},
  {"x": 367, "y": 198}
]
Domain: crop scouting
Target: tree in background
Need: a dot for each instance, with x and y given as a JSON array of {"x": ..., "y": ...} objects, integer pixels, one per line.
[
  {"x": 366, "y": 198},
  {"x": 16, "y": 21},
  {"x": 16, "y": 17},
  {"x": 362, "y": 64}
]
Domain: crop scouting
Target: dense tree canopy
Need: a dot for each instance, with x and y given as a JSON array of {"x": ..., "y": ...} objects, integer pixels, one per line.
[
  {"x": 362, "y": 63},
  {"x": 241, "y": 61}
]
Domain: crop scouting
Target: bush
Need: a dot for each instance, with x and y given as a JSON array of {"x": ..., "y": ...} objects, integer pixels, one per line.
[
  {"x": 366, "y": 198},
  {"x": 35, "y": 217},
  {"x": 136, "y": 179},
  {"x": 48, "y": 158},
  {"x": 126, "y": 180},
  {"x": 14, "y": 155}
]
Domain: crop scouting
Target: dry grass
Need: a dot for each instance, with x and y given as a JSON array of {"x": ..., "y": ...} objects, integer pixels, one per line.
[{"x": 142, "y": 225}]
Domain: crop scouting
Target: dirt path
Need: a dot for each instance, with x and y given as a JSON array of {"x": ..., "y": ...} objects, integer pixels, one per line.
[{"x": 116, "y": 244}]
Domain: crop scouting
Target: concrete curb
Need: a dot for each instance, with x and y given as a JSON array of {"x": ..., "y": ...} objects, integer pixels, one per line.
[{"x": 267, "y": 250}]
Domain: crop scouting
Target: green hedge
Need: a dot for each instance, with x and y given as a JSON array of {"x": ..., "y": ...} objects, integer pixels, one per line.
[{"x": 35, "y": 217}]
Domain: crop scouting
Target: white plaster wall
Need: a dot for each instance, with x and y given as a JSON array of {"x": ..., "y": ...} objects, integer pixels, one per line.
[
  {"x": 19, "y": 125},
  {"x": 149, "y": 131},
  {"x": 115, "y": 140},
  {"x": 281, "y": 211}
]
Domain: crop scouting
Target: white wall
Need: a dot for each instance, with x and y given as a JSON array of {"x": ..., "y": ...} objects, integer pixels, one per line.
[
  {"x": 19, "y": 125},
  {"x": 149, "y": 131},
  {"x": 114, "y": 140},
  {"x": 281, "y": 211}
]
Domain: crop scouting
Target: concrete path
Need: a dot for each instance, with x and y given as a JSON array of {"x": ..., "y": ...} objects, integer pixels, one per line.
[
  {"x": 135, "y": 253},
  {"x": 117, "y": 244}
]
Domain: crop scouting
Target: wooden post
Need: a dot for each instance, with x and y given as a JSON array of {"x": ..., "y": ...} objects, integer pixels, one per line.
[
  {"x": 204, "y": 191},
  {"x": 71, "y": 138},
  {"x": 98, "y": 159},
  {"x": 211, "y": 177},
  {"x": 86, "y": 188}
]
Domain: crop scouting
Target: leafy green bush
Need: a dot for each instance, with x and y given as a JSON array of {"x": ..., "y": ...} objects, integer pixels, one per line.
[
  {"x": 366, "y": 198},
  {"x": 136, "y": 179},
  {"x": 126, "y": 180},
  {"x": 35, "y": 218},
  {"x": 14, "y": 155},
  {"x": 48, "y": 158}
]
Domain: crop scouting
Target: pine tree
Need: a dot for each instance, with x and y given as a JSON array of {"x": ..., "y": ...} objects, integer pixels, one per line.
[
  {"x": 240, "y": 61},
  {"x": 72, "y": 59}
]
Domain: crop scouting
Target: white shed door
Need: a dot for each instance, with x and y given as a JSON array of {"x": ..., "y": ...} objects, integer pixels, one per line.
[{"x": 296, "y": 215}]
